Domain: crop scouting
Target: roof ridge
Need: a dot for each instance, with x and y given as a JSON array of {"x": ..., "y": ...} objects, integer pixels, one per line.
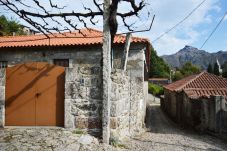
[
  {"x": 220, "y": 77},
  {"x": 205, "y": 89},
  {"x": 40, "y": 34}
]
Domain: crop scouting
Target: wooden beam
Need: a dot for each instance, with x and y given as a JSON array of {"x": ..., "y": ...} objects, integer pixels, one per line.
[{"x": 126, "y": 51}]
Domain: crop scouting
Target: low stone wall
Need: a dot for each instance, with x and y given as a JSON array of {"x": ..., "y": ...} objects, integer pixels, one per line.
[
  {"x": 213, "y": 114},
  {"x": 128, "y": 106},
  {"x": 2, "y": 97},
  {"x": 120, "y": 105},
  {"x": 224, "y": 122},
  {"x": 203, "y": 114},
  {"x": 169, "y": 104}
]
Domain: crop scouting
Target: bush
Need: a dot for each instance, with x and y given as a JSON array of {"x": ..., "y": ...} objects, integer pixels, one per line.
[{"x": 155, "y": 89}]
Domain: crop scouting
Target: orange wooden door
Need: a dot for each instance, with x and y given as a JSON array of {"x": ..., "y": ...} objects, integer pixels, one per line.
[
  {"x": 35, "y": 95},
  {"x": 50, "y": 95},
  {"x": 20, "y": 99}
]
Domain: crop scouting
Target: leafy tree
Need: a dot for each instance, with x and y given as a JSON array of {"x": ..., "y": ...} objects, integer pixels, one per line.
[
  {"x": 155, "y": 89},
  {"x": 186, "y": 70},
  {"x": 210, "y": 68},
  {"x": 216, "y": 69},
  {"x": 224, "y": 69},
  {"x": 158, "y": 67},
  {"x": 8, "y": 27},
  {"x": 189, "y": 69},
  {"x": 177, "y": 76}
]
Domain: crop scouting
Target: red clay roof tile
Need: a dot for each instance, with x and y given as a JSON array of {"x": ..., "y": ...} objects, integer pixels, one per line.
[
  {"x": 201, "y": 85},
  {"x": 86, "y": 37}
]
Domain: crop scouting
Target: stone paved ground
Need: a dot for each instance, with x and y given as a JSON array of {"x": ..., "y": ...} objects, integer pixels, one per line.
[
  {"x": 48, "y": 139},
  {"x": 164, "y": 135}
]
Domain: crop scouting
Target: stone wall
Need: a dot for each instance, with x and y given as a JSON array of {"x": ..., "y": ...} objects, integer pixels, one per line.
[
  {"x": 213, "y": 111},
  {"x": 83, "y": 103},
  {"x": 128, "y": 106},
  {"x": 120, "y": 105},
  {"x": 168, "y": 104},
  {"x": 83, "y": 89},
  {"x": 2, "y": 97},
  {"x": 83, "y": 85},
  {"x": 203, "y": 114}
]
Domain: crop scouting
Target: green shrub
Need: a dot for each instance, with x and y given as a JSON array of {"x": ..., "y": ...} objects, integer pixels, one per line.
[{"x": 155, "y": 89}]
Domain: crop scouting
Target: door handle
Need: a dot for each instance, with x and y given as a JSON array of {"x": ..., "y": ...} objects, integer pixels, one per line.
[{"x": 37, "y": 94}]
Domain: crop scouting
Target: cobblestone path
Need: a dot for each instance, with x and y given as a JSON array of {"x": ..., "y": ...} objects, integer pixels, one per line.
[{"x": 164, "y": 135}]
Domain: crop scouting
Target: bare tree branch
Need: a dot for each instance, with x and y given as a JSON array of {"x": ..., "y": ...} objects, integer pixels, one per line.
[{"x": 81, "y": 17}]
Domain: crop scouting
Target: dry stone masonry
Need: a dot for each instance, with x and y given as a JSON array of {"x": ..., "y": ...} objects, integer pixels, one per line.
[{"x": 84, "y": 86}]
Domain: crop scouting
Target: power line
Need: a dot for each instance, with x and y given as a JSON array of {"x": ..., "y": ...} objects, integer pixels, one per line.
[
  {"x": 214, "y": 30},
  {"x": 159, "y": 37}
]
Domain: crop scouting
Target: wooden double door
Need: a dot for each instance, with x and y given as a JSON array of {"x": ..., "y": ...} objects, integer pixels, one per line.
[{"x": 35, "y": 95}]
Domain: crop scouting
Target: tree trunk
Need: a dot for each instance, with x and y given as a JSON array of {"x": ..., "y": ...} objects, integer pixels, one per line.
[{"x": 106, "y": 56}]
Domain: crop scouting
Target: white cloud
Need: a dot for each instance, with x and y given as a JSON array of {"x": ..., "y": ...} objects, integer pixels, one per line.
[
  {"x": 225, "y": 17},
  {"x": 169, "y": 13}
]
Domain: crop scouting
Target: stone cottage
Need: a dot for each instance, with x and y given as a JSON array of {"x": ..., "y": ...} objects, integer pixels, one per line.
[
  {"x": 57, "y": 81},
  {"x": 196, "y": 100}
]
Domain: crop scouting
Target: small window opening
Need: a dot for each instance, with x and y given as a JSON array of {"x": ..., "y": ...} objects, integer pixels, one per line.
[{"x": 61, "y": 62}]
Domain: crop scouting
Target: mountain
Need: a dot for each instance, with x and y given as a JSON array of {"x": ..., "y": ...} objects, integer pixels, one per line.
[{"x": 196, "y": 56}]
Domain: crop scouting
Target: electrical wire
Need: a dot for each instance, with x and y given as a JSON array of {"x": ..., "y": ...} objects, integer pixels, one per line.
[
  {"x": 166, "y": 32},
  {"x": 213, "y": 30}
]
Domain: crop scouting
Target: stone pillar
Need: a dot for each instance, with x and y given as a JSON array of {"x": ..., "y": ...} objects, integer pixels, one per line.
[
  {"x": 69, "y": 78},
  {"x": 106, "y": 56},
  {"x": 2, "y": 97}
]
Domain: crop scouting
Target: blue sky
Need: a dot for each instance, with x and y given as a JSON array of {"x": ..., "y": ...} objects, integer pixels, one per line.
[{"x": 193, "y": 31}]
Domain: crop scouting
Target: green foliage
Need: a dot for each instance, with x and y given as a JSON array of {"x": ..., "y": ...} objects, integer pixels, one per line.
[
  {"x": 216, "y": 69},
  {"x": 189, "y": 69},
  {"x": 177, "y": 76},
  {"x": 79, "y": 131},
  {"x": 158, "y": 67},
  {"x": 155, "y": 89},
  {"x": 8, "y": 27},
  {"x": 186, "y": 70},
  {"x": 116, "y": 143},
  {"x": 224, "y": 69},
  {"x": 210, "y": 68}
]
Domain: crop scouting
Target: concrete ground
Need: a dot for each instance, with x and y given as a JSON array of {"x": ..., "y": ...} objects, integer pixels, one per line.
[{"x": 164, "y": 135}]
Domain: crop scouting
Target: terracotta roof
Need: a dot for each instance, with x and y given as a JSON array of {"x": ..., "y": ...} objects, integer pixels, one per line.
[
  {"x": 200, "y": 85},
  {"x": 178, "y": 85},
  {"x": 88, "y": 37}
]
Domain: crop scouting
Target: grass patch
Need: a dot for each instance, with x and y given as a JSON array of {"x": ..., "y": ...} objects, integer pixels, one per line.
[
  {"x": 79, "y": 132},
  {"x": 116, "y": 143}
]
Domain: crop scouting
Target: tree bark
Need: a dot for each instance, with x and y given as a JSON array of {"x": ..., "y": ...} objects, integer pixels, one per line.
[{"x": 106, "y": 56}]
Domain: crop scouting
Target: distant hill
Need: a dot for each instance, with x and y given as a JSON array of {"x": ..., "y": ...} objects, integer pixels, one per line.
[{"x": 196, "y": 56}]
